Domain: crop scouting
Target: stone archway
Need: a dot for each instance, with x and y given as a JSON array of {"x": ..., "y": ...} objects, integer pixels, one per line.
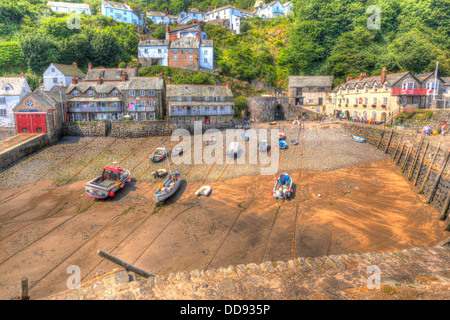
[
  {"x": 278, "y": 113},
  {"x": 347, "y": 114},
  {"x": 383, "y": 117}
]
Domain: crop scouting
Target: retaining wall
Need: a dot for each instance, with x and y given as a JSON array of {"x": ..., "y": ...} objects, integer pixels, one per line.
[
  {"x": 21, "y": 150},
  {"x": 85, "y": 129},
  {"x": 414, "y": 157}
]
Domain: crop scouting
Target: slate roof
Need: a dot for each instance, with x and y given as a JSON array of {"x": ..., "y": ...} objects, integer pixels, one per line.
[
  {"x": 69, "y": 70},
  {"x": 109, "y": 74},
  {"x": 191, "y": 90},
  {"x": 184, "y": 27},
  {"x": 136, "y": 83},
  {"x": 116, "y": 5},
  {"x": 155, "y": 14},
  {"x": 311, "y": 81},
  {"x": 16, "y": 83},
  {"x": 154, "y": 42}
]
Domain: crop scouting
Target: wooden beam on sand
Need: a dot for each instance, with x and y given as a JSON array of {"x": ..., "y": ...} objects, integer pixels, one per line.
[
  {"x": 429, "y": 170},
  {"x": 381, "y": 138},
  {"x": 445, "y": 207},
  {"x": 416, "y": 157},
  {"x": 438, "y": 177},
  {"x": 124, "y": 264},
  {"x": 400, "y": 154},
  {"x": 420, "y": 164},
  {"x": 398, "y": 146},
  {"x": 389, "y": 141},
  {"x": 405, "y": 162}
]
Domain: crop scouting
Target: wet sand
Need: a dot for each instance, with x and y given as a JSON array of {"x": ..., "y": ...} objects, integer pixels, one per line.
[{"x": 45, "y": 228}]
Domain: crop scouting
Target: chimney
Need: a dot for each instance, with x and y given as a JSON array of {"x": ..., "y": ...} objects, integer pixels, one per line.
[
  {"x": 235, "y": 5},
  {"x": 383, "y": 74},
  {"x": 169, "y": 80},
  {"x": 22, "y": 75},
  {"x": 199, "y": 35},
  {"x": 74, "y": 64},
  {"x": 228, "y": 85},
  {"x": 362, "y": 76},
  {"x": 90, "y": 66},
  {"x": 74, "y": 80},
  {"x": 198, "y": 8},
  {"x": 124, "y": 76},
  {"x": 167, "y": 32},
  {"x": 165, "y": 12},
  {"x": 161, "y": 76},
  {"x": 99, "y": 80}
]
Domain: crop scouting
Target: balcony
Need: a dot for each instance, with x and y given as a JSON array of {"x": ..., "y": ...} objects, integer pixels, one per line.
[
  {"x": 94, "y": 109},
  {"x": 409, "y": 92},
  {"x": 277, "y": 11},
  {"x": 202, "y": 113},
  {"x": 142, "y": 109}
]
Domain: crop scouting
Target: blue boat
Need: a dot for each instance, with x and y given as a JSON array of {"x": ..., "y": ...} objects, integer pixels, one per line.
[
  {"x": 282, "y": 144},
  {"x": 244, "y": 136},
  {"x": 357, "y": 138}
]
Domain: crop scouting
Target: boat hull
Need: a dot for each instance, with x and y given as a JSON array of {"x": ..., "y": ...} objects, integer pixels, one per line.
[
  {"x": 97, "y": 191},
  {"x": 161, "y": 196},
  {"x": 357, "y": 138}
]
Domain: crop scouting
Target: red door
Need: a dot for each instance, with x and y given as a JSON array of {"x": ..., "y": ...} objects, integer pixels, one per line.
[{"x": 31, "y": 123}]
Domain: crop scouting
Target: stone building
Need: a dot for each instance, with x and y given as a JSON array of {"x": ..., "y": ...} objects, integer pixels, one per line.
[
  {"x": 376, "y": 97},
  {"x": 108, "y": 74},
  {"x": 140, "y": 97},
  {"x": 227, "y": 16},
  {"x": 192, "y": 14},
  {"x": 40, "y": 112},
  {"x": 158, "y": 17},
  {"x": 210, "y": 104},
  {"x": 312, "y": 93},
  {"x": 12, "y": 90},
  {"x": 272, "y": 9},
  {"x": 58, "y": 74}
]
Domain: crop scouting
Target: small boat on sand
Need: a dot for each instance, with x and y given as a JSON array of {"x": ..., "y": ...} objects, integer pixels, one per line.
[
  {"x": 168, "y": 187},
  {"x": 272, "y": 123},
  {"x": 159, "y": 173},
  {"x": 245, "y": 136},
  {"x": 159, "y": 155},
  {"x": 263, "y": 146},
  {"x": 357, "y": 138},
  {"x": 282, "y": 144},
  {"x": 211, "y": 140},
  {"x": 294, "y": 142},
  {"x": 282, "y": 187},
  {"x": 203, "y": 191},
  {"x": 112, "y": 179},
  {"x": 281, "y": 134},
  {"x": 178, "y": 151}
]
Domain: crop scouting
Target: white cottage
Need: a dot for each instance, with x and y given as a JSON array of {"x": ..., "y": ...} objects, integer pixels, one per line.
[
  {"x": 61, "y": 75},
  {"x": 12, "y": 90}
]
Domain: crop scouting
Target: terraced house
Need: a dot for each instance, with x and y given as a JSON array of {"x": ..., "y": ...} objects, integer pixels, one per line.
[
  {"x": 142, "y": 98},
  {"x": 377, "y": 97},
  {"x": 58, "y": 74},
  {"x": 158, "y": 17},
  {"x": 310, "y": 92},
  {"x": 122, "y": 12},
  {"x": 209, "y": 104},
  {"x": 12, "y": 90}
]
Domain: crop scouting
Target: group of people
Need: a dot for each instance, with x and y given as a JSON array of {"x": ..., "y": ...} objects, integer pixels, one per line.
[{"x": 428, "y": 130}]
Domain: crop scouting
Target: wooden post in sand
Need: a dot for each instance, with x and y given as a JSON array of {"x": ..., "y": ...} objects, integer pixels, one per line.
[
  {"x": 405, "y": 162},
  {"x": 420, "y": 164},
  {"x": 445, "y": 207},
  {"x": 24, "y": 289},
  {"x": 389, "y": 141},
  {"x": 396, "y": 149},
  {"x": 429, "y": 170},
  {"x": 124, "y": 264},
  {"x": 415, "y": 159},
  {"x": 400, "y": 154},
  {"x": 382, "y": 135},
  {"x": 438, "y": 177}
]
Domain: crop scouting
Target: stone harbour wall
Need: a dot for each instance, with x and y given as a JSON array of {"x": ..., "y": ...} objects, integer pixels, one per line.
[
  {"x": 327, "y": 277},
  {"x": 414, "y": 154},
  {"x": 85, "y": 129}
]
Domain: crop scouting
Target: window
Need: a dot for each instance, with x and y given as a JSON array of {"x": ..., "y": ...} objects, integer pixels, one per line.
[
  {"x": 430, "y": 85},
  {"x": 2, "y": 112},
  {"x": 310, "y": 101},
  {"x": 374, "y": 100},
  {"x": 175, "y": 50},
  {"x": 190, "y": 59},
  {"x": 385, "y": 100},
  {"x": 321, "y": 89},
  {"x": 115, "y": 93},
  {"x": 206, "y": 98},
  {"x": 151, "y": 92},
  {"x": 55, "y": 80},
  {"x": 205, "y": 60},
  {"x": 142, "y": 93},
  {"x": 102, "y": 95},
  {"x": 183, "y": 51},
  {"x": 222, "y": 98},
  {"x": 365, "y": 100},
  {"x": 2, "y": 100},
  {"x": 356, "y": 100},
  {"x": 151, "y": 103},
  {"x": 191, "y": 51},
  {"x": 175, "y": 58},
  {"x": 407, "y": 85},
  {"x": 132, "y": 93},
  {"x": 189, "y": 99},
  {"x": 180, "y": 99},
  {"x": 91, "y": 93},
  {"x": 311, "y": 89},
  {"x": 76, "y": 93},
  {"x": 159, "y": 50},
  {"x": 299, "y": 91}
]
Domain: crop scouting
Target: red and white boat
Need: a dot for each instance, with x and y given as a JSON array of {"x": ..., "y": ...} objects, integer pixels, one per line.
[
  {"x": 281, "y": 135},
  {"x": 112, "y": 180}
]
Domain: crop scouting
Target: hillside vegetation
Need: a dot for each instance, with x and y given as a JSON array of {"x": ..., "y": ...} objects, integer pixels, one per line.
[{"x": 322, "y": 37}]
